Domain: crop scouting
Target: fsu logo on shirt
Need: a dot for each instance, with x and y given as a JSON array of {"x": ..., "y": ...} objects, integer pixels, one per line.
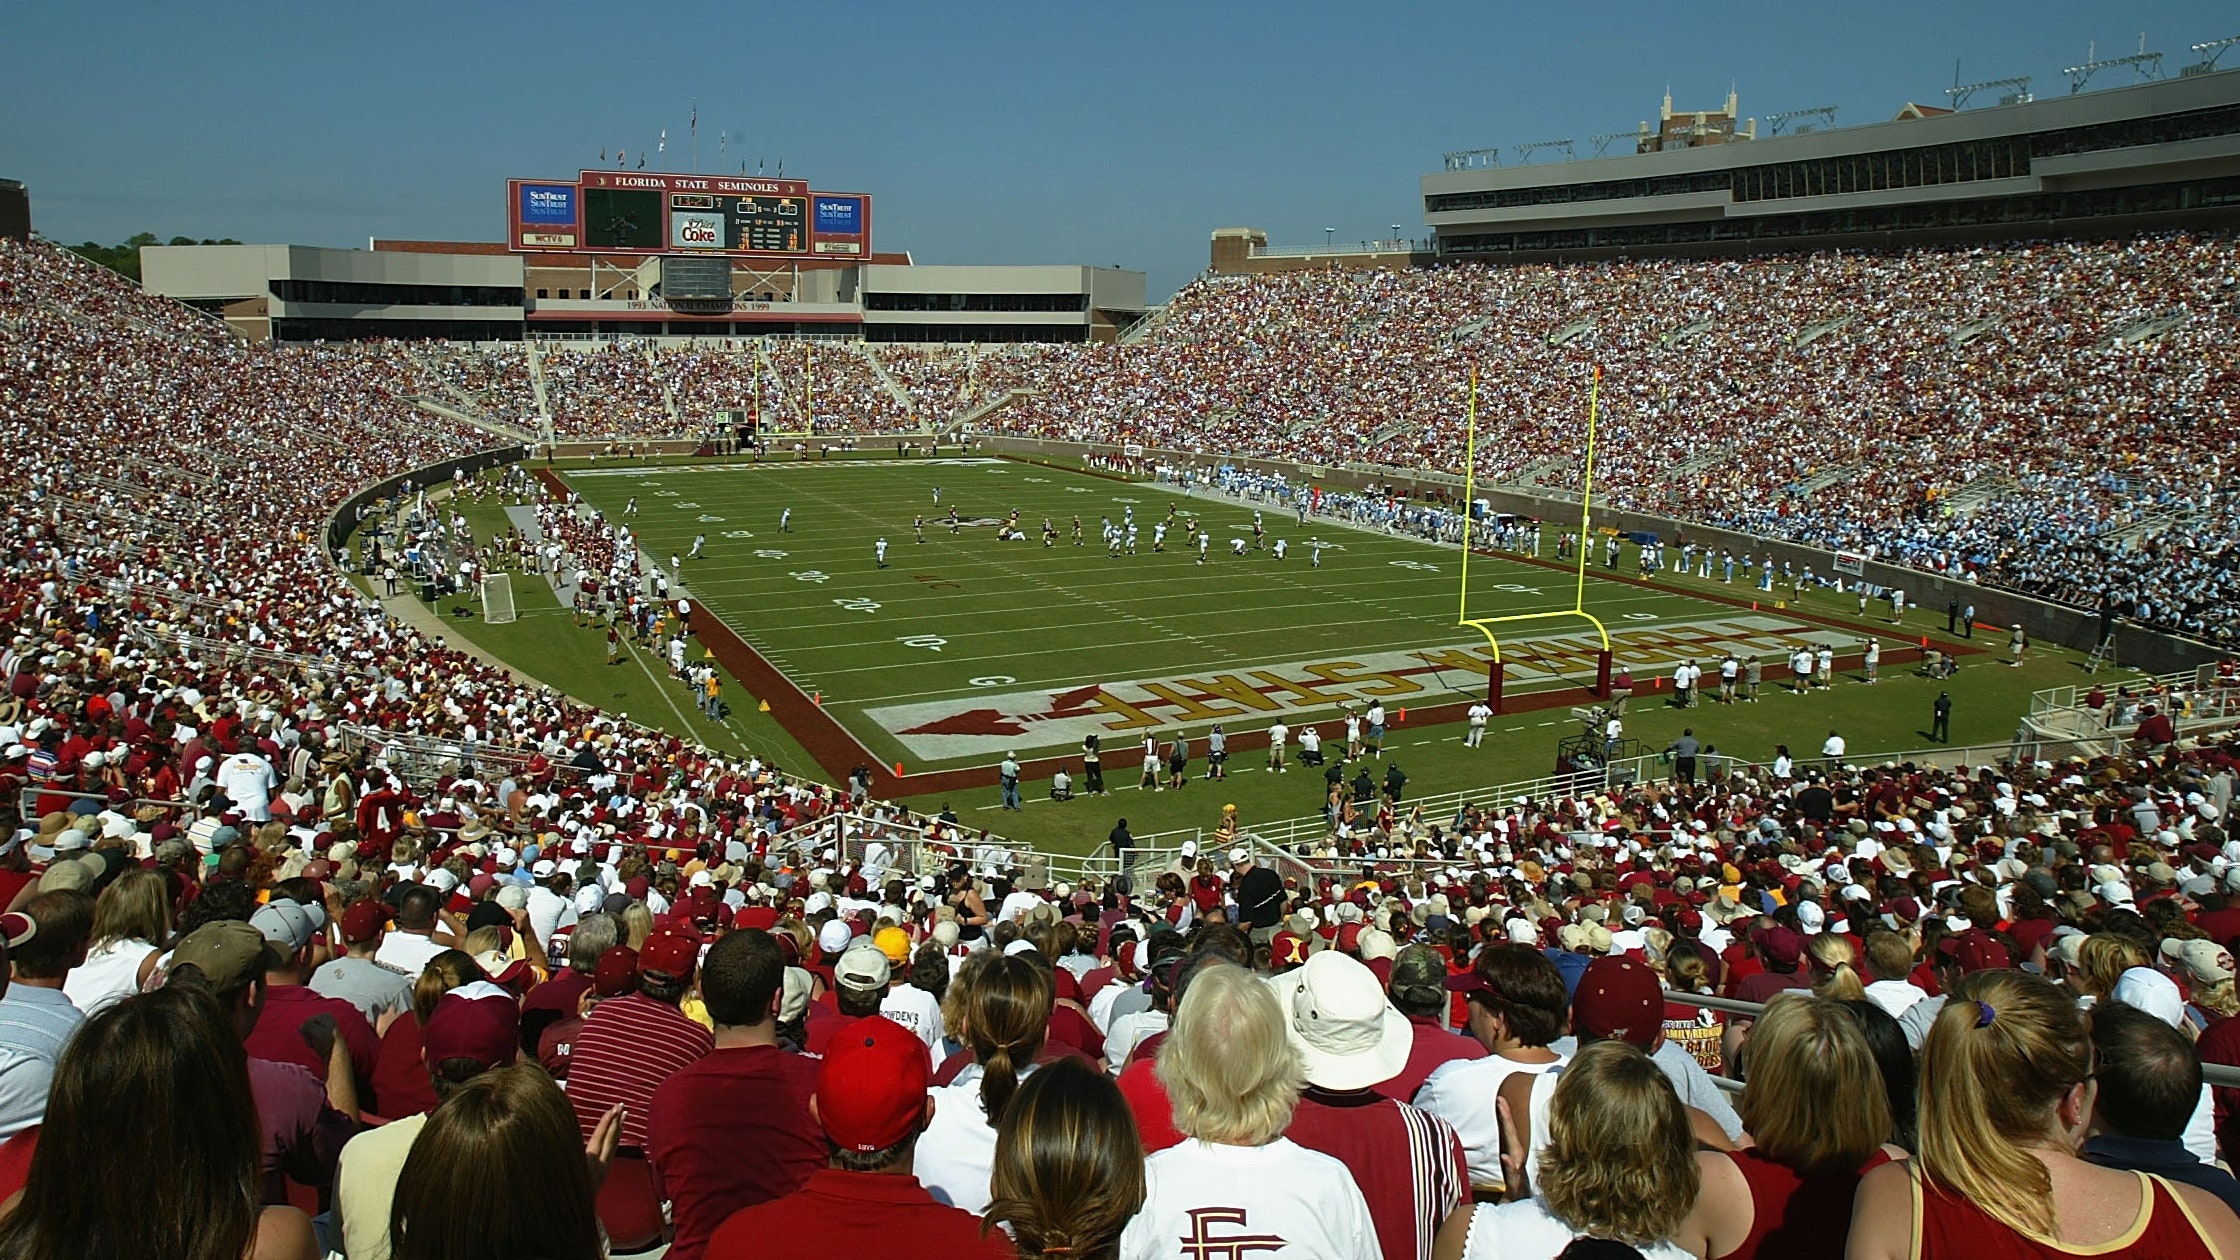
[{"x": 1206, "y": 1242}]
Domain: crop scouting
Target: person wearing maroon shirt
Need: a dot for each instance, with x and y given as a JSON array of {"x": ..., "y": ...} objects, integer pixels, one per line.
[
  {"x": 559, "y": 996},
  {"x": 1782, "y": 950},
  {"x": 297, "y": 1021},
  {"x": 734, "y": 1129},
  {"x": 1407, "y": 1162},
  {"x": 871, "y": 1102},
  {"x": 616, "y": 974},
  {"x": 630, "y": 1044},
  {"x": 1419, "y": 991}
]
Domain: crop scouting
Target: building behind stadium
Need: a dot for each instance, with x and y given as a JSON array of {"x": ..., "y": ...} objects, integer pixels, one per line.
[{"x": 2156, "y": 155}]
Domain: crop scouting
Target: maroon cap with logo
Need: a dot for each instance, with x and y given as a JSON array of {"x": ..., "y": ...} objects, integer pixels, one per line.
[{"x": 1620, "y": 999}]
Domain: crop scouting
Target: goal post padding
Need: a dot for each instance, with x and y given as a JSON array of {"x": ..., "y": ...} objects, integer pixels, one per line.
[{"x": 497, "y": 598}]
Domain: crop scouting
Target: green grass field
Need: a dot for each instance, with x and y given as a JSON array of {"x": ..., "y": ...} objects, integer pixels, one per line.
[{"x": 965, "y": 647}]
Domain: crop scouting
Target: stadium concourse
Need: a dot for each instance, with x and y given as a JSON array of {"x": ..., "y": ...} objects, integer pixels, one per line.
[{"x": 343, "y": 942}]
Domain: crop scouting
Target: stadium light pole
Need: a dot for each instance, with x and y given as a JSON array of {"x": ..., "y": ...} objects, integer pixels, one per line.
[
  {"x": 1395, "y": 234},
  {"x": 1327, "y": 233}
]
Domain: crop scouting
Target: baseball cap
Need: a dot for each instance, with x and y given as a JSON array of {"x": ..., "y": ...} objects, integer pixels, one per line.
[
  {"x": 364, "y": 920},
  {"x": 1779, "y": 944},
  {"x": 1975, "y": 951},
  {"x": 762, "y": 917},
  {"x": 871, "y": 1088},
  {"x": 1618, "y": 998},
  {"x": 893, "y": 942},
  {"x": 1286, "y": 949},
  {"x": 1347, "y": 1034},
  {"x": 1239, "y": 856},
  {"x": 2204, "y": 962},
  {"x": 476, "y": 1021},
  {"x": 1418, "y": 974},
  {"x": 671, "y": 953},
  {"x": 285, "y": 925},
  {"x": 1376, "y": 943},
  {"x": 616, "y": 972},
  {"x": 2149, "y": 990},
  {"x": 834, "y": 936},
  {"x": 863, "y": 966},
  {"x": 229, "y": 953}
]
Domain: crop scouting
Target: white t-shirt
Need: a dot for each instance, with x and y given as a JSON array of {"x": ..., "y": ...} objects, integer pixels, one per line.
[
  {"x": 1523, "y": 1230},
  {"x": 1127, "y": 1032},
  {"x": 1281, "y": 1199},
  {"x": 248, "y": 781},
  {"x": 407, "y": 952},
  {"x": 957, "y": 1154},
  {"x": 1894, "y": 996},
  {"x": 1016, "y": 903},
  {"x": 916, "y": 1010},
  {"x": 1462, "y": 1093}
]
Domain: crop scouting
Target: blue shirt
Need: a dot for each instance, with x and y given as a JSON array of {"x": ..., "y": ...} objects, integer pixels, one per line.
[{"x": 35, "y": 1025}]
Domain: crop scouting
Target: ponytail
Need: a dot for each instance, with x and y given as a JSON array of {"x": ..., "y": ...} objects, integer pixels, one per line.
[
  {"x": 1843, "y": 985},
  {"x": 1007, "y": 1017},
  {"x": 2001, "y": 1055},
  {"x": 999, "y": 1079}
]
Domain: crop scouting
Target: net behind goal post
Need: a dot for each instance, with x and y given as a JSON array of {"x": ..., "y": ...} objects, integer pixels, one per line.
[{"x": 497, "y": 598}]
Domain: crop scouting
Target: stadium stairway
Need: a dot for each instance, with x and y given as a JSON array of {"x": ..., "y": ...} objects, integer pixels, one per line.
[
  {"x": 536, "y": 387},
  {"x": 902, "y": 396}
]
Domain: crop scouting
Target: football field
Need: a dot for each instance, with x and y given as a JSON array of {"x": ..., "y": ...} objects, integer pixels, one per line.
[{"x": 964, "y": 647}]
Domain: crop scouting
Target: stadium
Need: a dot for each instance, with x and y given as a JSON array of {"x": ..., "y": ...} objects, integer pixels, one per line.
[{"x": 682, "y": 625}]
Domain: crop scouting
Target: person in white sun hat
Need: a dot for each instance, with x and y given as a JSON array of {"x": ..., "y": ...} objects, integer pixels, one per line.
[{"x": 1408, "y": 1162}]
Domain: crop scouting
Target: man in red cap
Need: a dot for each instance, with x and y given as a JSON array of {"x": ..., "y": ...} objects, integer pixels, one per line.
[
  {"x": 871, "y": 1101},
  {"x": 615, "y": 974},
  {"x": 630, "y": 1044},
  {"x": 734, "y": 1129},
  {"x": 1781, "y": 949}
]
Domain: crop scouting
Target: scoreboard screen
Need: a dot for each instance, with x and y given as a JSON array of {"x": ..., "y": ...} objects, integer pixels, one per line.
[
  {"x": 634, "y": 212},
  {"x": 758, "y": 224},
  {"x": 616, "y": 218}
]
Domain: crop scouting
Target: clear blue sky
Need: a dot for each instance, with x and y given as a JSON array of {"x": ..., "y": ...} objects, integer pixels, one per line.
[{"x": 987, "y": 133}]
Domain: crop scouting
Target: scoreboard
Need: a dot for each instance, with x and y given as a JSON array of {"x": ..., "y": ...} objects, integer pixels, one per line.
[{"x": 633, "y": 212}]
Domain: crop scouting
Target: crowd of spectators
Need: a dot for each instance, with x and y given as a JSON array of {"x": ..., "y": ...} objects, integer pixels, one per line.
[
  {"x": 344, "y": 942},
  {"x": 2019, "y": 415}
]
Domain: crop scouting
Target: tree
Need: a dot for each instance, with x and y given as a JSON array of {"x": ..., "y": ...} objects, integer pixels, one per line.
[{"x": 124, "y": 259}]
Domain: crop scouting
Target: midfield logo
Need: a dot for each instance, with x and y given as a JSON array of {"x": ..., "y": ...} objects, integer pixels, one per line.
[{"x": 988, "y": 725}]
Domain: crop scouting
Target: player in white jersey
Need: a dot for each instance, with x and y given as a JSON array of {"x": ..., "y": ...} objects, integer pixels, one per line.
[
  {"x": 699, "y": 544},
  {"x": 785, "y": 521},
  {"x": 1317, "y": 544},
  {"x": 1281, "y": 547},
  {"x": 1478, "y": 714},
  {"x": 880, "y": 549},
  {"x": 1203, "y": 539},
  {"x": 1159, "y": 537},
  {"x": 1236, "y": 546},
  {"x": 1131, "y": 537}
]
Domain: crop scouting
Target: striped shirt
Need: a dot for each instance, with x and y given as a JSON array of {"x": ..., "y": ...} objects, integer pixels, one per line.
[
  {"x": 35, "y": 1024},
  {"x": 625, "y": 1049},
  {"x": 1408, "y": 1162}
]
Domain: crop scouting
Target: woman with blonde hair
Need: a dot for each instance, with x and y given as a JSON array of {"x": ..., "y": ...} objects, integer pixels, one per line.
[
  {"x": 1006, "y": 1014},
  {"x": 2101, "y": 961},
  {"x": 1816, "y": 1105},
  {"x": 1834, "y": 964},
  {"x": 2006, "y": 1100},
  {"x": 131, "y": 923},
  {"x": 1068, "y": 1165},
  {"x": 1234, "y": 1077},
  {"x": 1620, "y": 1165}
]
